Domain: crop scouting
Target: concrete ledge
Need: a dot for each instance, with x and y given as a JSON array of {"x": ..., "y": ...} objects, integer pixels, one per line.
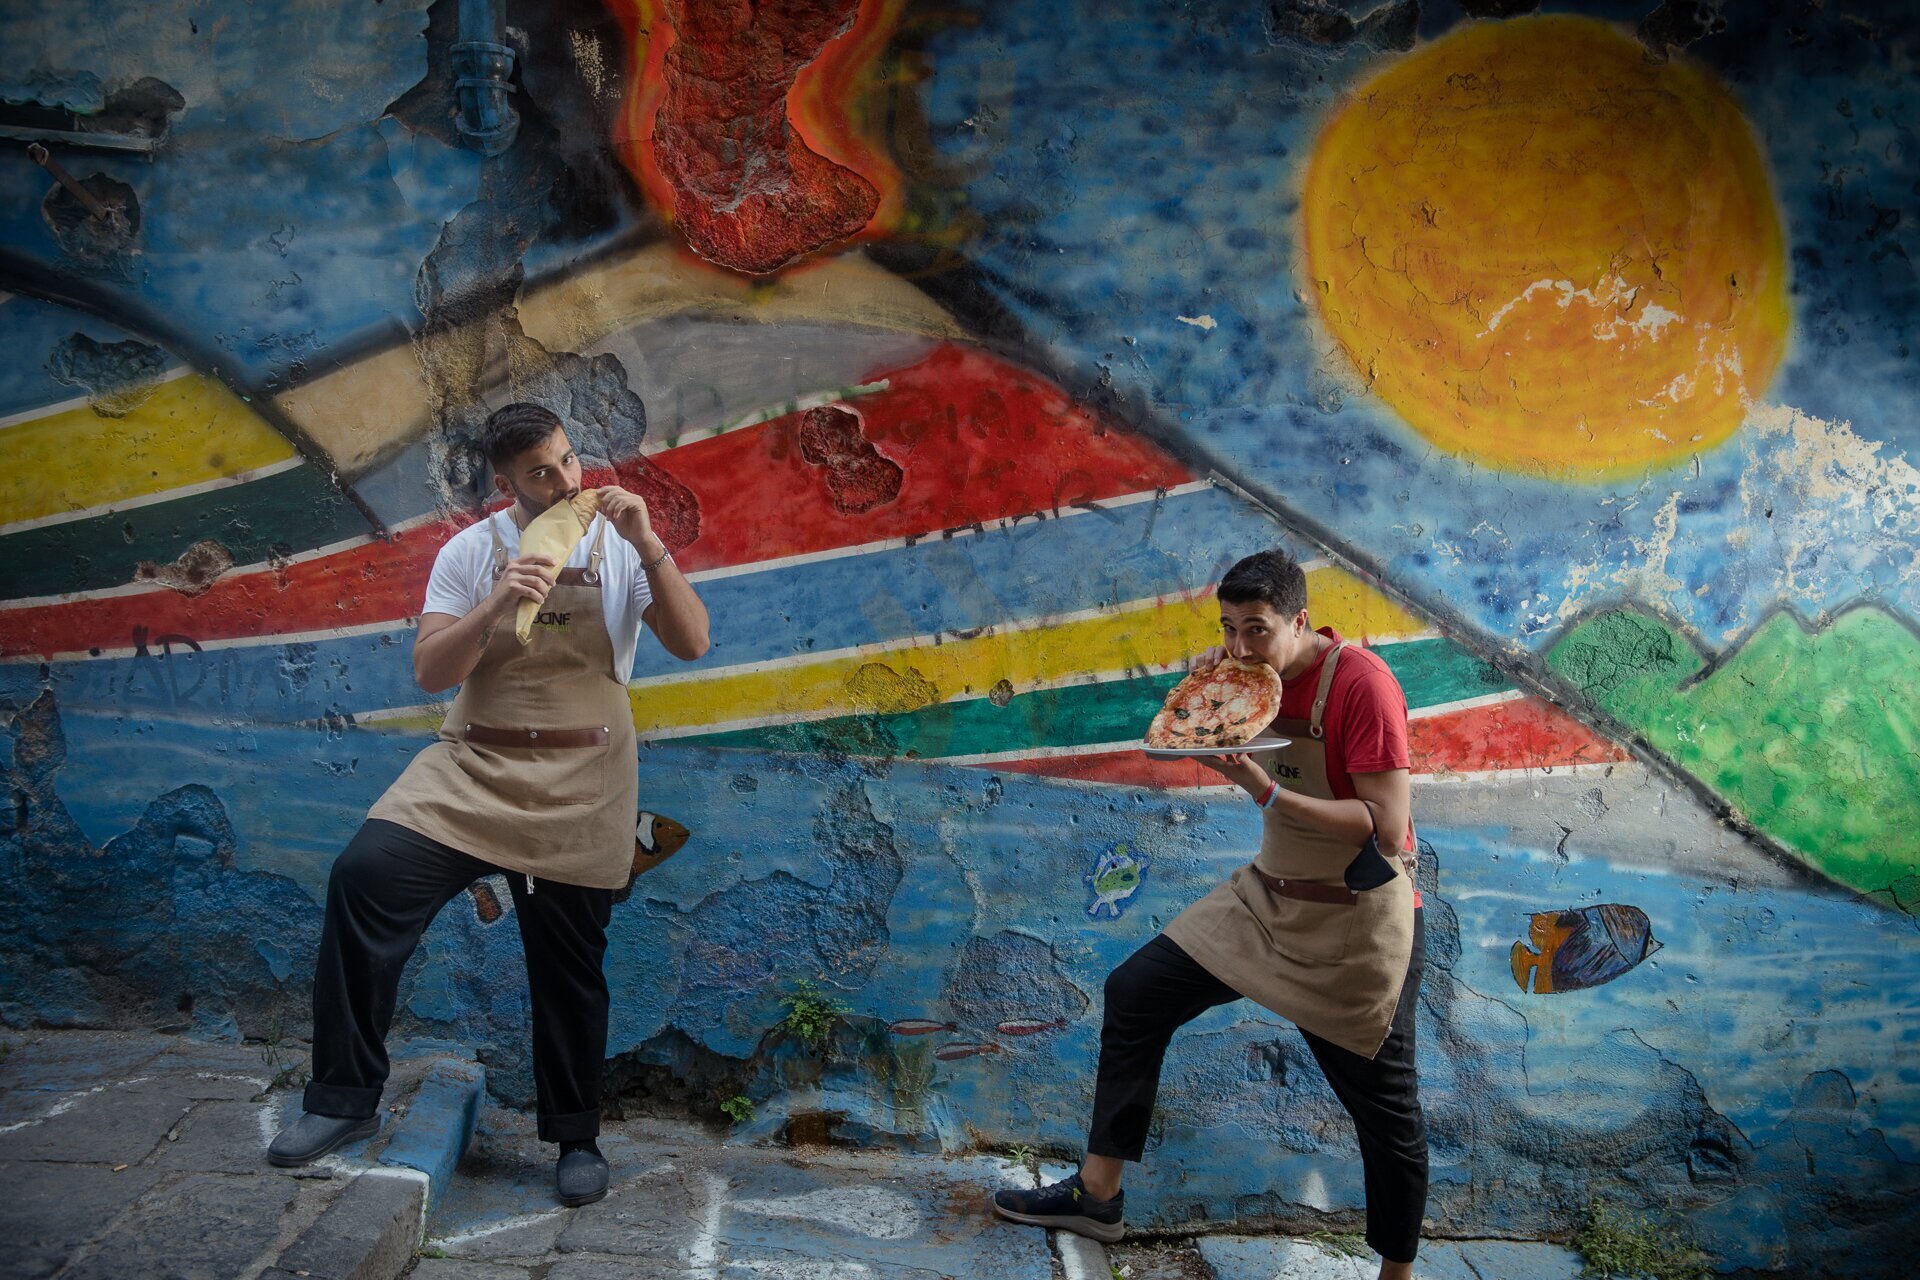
[
  {"x": 369, "y": 1233},
  {"x": 372, "y": 1230},
  {"x": 1293, "y": 1258},
  {"x": 1081, "y": 1258},
  {"x": 438, "y": 1124}
]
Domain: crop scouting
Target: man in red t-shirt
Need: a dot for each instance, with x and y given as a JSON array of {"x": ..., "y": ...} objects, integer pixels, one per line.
[
  {"x": 1323, "y": 927},
  {"x": 1366, "y": 723}
]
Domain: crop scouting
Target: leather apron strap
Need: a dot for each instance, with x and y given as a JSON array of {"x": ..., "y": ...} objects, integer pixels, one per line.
[
  {"x": 1316, "y": 722},
  {"x": 499, "y": 547}
]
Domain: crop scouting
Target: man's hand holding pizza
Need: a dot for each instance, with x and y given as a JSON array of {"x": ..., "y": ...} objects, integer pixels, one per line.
[{"x": 1239, "y": 769}]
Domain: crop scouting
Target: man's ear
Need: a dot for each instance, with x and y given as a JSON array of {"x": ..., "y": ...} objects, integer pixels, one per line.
[
  {"x": 1301, "y": 625},
  {"x": 501, "y": 486}
]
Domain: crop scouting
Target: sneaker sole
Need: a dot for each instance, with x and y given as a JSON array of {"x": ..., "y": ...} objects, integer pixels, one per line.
[
  {"x": 1104, "y": 1232},
  {"x": 366, "y": 1130},
  {"x": 574, "y": 1202}
]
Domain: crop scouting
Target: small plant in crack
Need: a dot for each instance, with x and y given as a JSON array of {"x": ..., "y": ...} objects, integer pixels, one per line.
[
  {"x": 286, "y": 1069},
  {"x": 1027, "y": 1158},
  {"x": 1619, "y": 1245},
  {"x": 1341, "y": 1244},
  {"x": 812, "y": 1015},
  {"x": 739, "y": 1108}
]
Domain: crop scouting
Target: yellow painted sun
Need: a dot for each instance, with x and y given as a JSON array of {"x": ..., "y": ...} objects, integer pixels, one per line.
[{"x": 1546, "y": 253}]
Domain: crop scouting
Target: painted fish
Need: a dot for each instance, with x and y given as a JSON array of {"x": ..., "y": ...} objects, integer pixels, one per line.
[
  {"x": 965, "y": 1049},
  {"x": 921, "y": 1027},
  {"x": 1029, "y": 1026},
  {"x": 1115, "y": 877},
  {"x": 655, "y": 839},
  {"x": 1580, "y": 948}
]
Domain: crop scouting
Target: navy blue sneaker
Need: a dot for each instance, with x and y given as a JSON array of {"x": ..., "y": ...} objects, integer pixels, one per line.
[{"x": 1065, "y": 1206}]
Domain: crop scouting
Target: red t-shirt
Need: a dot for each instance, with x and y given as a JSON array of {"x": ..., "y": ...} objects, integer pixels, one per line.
[{"x": 1365, "y": 720}]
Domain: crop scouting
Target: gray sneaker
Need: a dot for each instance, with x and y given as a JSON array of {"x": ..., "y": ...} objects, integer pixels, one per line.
[
  {"x": 1065, "y": 1206},
  {"x": 312, "y": 1136}
]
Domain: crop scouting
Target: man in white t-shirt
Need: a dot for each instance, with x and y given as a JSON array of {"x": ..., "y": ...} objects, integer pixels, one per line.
[{"x": 533, "y": 774}]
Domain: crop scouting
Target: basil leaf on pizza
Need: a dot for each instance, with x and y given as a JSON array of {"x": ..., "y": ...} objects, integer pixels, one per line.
[{"x": 1225, "y": 706}]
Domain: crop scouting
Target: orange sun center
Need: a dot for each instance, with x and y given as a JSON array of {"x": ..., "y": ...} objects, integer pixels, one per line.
[{"x": 1546, "y": 253}]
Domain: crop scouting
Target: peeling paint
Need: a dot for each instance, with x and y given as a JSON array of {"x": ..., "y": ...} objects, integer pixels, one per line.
[{"x": 958, "y": 494}]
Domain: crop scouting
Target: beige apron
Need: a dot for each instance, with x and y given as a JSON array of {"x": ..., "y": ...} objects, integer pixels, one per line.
[
  {"x": 1332, "y": 965},
  {"x": 535, "y": 769}
]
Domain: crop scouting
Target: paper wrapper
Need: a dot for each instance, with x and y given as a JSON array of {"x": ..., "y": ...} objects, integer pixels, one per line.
[{"x": 554, "y": 533}]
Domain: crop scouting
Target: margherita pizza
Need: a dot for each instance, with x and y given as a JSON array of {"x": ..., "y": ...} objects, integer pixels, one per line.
[{"x": 1226, "y": 705}]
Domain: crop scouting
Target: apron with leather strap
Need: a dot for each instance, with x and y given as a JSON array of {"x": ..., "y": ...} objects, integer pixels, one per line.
[
  {"x": 1286, "y": 931},
  {"x": 535, "y": 769}
]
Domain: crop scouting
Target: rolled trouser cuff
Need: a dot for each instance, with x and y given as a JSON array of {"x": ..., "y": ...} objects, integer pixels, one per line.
[
  {"x": 1102, "y": 1144},
  {"x": 340, "y": 1101},
  {"x": 580, "y": 1126},
  {"x": 1394, "y": 1250}
]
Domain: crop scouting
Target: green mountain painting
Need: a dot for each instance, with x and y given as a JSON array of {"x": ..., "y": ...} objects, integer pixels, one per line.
[{"x": 1812, "y": 735}]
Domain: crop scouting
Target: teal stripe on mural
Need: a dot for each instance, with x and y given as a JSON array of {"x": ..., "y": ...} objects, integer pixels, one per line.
[
  {"x": 281, "y": 514},
  {"x": 1431, "y": 672}
]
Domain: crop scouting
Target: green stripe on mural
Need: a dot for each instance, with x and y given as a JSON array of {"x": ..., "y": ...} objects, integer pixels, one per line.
[
  {"x": 1437, "y": 671},
  {"x": 1431, "y": 672},
  {"x": 1071, "y": 716},
  {"x": 282, "y": 514},
  {"x": 1814, "y": 737}
]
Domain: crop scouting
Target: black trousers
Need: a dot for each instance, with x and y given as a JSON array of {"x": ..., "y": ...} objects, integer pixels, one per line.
[
  {"x": 1160, "y": 988},
  {"x": 385, "y": 889}
]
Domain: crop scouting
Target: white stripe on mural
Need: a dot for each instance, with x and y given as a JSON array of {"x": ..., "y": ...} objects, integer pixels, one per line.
[{"x": 1464, "y": 704}]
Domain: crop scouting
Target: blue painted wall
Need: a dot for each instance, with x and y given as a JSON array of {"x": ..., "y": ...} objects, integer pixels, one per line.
[{"x": 1073, "y": 190}]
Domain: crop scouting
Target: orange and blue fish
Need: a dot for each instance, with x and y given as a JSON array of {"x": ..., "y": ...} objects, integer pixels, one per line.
[{"x": 1582, "y": 947}]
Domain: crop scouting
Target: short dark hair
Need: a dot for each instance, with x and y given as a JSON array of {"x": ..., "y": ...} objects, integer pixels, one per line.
[
  {"x": 515, "y": 429},
  {"x": 1273, "y": 578}
]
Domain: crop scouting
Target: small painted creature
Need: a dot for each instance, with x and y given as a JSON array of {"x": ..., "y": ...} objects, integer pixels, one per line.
[
  {"x": 1115, "y": 877},
  {"x": 1581, "y": 948}
]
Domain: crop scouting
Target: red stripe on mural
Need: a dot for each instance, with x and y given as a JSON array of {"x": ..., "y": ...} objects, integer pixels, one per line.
[
  {"x": 1119, "y": 768},
  {"x": 1523, "y": 734},
  {"x": 379, "y": 582},
  {"x": 974, "y": 439},
  {"x": 957, "y": 439}
]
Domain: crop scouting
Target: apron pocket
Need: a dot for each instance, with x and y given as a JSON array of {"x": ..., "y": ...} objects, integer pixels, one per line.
[
  {"x": 1316, "y": 931},
  {"x": 1310, "y": 932},
  {"x": 537, "y": 777}
]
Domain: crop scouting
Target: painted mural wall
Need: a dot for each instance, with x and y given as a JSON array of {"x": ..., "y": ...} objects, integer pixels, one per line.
[{"x": 959, "y": 350}]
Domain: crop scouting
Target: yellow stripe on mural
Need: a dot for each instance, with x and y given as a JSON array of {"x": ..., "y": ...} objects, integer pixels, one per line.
[
  {"x": 1337, "y": 599},
  {"x": 913, "y": 676},
  {"x": 190, "y": 430}
]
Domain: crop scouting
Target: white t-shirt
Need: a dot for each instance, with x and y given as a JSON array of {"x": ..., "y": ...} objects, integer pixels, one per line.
[{"x": 462, "y": 578}]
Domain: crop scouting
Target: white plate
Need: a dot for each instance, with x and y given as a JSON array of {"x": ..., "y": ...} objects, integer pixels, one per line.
[{"x": 1265, "y": 742}]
